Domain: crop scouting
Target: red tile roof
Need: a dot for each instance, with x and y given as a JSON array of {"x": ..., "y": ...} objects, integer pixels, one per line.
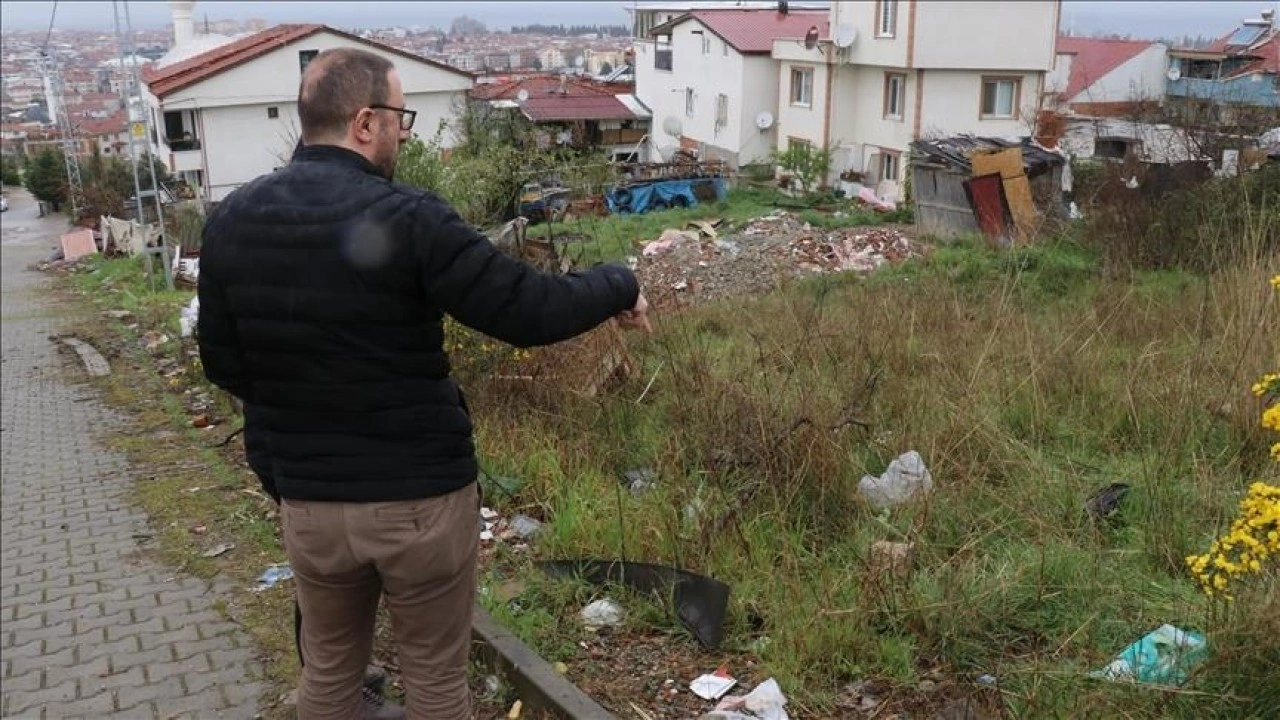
[
  {"x": 172, "y": 78},
  {"x": 567, "y": 107},
  {"x": 542, "y": 85},
  {"x": 753, "y": 31},
  {"x": 106, "y": 126},
  {"x": 1267, "y": 57},
  {"x": 1094, "y": 58}
]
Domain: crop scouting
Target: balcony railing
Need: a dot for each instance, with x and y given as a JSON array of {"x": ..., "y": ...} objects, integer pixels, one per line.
[
  {"x": 183, "y": 144},
  {"x": 662, "y": 59},
  {"x": 1240, "y": 90},
  {"x": 627, "y": 136}
]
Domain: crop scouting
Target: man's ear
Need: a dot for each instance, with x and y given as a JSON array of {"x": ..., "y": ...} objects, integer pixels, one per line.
[{"x": 364, "y": 129}]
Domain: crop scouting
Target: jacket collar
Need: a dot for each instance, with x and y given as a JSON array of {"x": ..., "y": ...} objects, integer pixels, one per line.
[{"x": 334, "y": 154}]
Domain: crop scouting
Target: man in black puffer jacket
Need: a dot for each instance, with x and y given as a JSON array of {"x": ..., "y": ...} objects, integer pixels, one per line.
[{"x": 323, "y": 288}]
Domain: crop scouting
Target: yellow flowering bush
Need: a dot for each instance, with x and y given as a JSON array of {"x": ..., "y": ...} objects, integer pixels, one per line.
[{"x": 1253, "y": 542}]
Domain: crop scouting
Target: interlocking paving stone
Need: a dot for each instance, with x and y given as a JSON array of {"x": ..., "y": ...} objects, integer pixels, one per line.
[{"x": 87, "y": 629}]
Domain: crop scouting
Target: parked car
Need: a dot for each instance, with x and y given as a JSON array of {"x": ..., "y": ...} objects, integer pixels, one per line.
[{"x": 4, "y": 203}]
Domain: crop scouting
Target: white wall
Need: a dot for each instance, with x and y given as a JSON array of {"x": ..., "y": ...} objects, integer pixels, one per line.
[
  {"x": 1057, "y": 79},
  {"x": 797, "y": 121},
  {"x": 986, "y": 35},
  {"x": 750, "y": 82},
  {"x": 1141, "y": 77},
  {"x": 240, "y": 143},
  {"x": 869, "y": 49},
  {"x": 274, "y": 77},
  {"x": 873, "y": 130},
  {"x": 760, "y": 92},
  {"x": 953, "y": 99}
]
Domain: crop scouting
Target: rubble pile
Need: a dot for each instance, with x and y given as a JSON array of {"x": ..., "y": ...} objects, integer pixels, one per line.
[{"x": 700, "y": 264}]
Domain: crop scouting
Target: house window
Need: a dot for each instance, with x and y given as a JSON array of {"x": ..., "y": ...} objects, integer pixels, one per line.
[
  {"x": 895, "y": 95},
  {"x": 1000, "y": 97},
  {"x": 722, "y": 110},
  {"x": 706, "y": 44},
  {"x": 273, "y": 113},
  {"x": 305, "y": 57},
  {"x": 886, "y": 18},
  {"x": 795, "y": 143},
  {"x": 802, "y": 86},
  {"x": 662, "y": 56},
  {"x": 890, "y": 164},
  {"x": 688, "y": 101}
]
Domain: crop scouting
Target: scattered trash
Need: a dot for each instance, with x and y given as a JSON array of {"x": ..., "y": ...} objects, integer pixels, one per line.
[
  {"x": 1104, "y": 502},
  {"x": 516, "y": 707},
  {"x": 891, "y": 558},
  {"x": 986, "y": 679},
  {"x": 713, "y": 686},
  {"x": 78, "y": 244},
  {"x": 200, "y": 421},
  {"x": 524, "y": 526},
  {"x": 272, "y": 576},
  {"x": 486, "y": 535},
  {"x": 1163, "y": 656},
  {"x": 640, "y": 480},
  {"x": 700, "y": 602},
  {"x": 217, "y": 550},
  {"x": 199, "y": 530},
  {"x": 705, "y": 227},
  {"x": 905, "y": 477},
  {"x": 118, "y": 314},
  {"x": 765, "y": 702},
  {"x": 561, "y": 668},
  {"x": 601, "y": 614},
  {"x": 190, "y": 316},
  {"x": 869, "y": 197},
  {"x": 154, "y": 340},
  {"x": 488, "y": 514},
  {"x": 667, "y": 241},
  {"x": 492, "y": 684}
]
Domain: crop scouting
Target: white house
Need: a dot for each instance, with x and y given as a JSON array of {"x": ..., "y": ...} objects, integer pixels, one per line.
[
  {"x": 1106, "y": 78},
  {"x": 227, "y": 115},
  {"x": 708, "y": 78},
  {"x": 883, "y": 73}
]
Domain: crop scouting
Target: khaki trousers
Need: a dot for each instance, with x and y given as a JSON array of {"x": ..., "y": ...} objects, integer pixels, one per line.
[{"x": 422, "y": 555}]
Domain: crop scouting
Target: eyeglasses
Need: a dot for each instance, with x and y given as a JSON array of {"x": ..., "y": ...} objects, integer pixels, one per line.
[{"x": 407, "y": 116}]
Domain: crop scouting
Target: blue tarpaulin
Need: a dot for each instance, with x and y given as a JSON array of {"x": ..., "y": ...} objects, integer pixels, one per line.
[{"x": 660, "y": 195}]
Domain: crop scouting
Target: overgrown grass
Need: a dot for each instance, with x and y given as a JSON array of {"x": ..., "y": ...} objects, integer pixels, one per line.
[{"x": 1026, "y": 379}]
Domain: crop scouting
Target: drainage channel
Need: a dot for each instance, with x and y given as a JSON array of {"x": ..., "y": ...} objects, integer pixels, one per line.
[{"x": 536, "y": 682}]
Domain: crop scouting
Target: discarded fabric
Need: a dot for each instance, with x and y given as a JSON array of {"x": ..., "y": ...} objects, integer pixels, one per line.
[
  {"x": 766, "y": 702},
  {"x": 1163, "y": 656},
  {"x": 273, "y": 576},
  {"x": 601, "y": 614},
  {"x": 905, "y": 477},
  {"x": 190, "y": 315}
]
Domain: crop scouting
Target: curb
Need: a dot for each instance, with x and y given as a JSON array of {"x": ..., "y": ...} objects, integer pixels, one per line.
[{"x": 536, "y": 682}]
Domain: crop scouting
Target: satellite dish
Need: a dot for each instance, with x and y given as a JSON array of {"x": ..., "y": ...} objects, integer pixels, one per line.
[
  {"x": 846, "y": 35},
  {"x": 811, "y": 38},
  {"x": 764, "y": 120},
  {"x": 672, "y": 126},
  {"x": 522, "y": 95},
  {"x": 1174, "y": 74}
]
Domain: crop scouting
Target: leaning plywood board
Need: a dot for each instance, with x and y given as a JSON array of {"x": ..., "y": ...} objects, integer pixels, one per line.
[{"x": 1017, "y": 189}]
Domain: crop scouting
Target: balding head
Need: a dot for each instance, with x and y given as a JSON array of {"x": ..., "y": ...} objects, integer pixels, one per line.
[{"x": 336, "y": 86}]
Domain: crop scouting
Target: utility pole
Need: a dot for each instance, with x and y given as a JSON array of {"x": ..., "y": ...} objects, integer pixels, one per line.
[{"x": 57, "y": 107}]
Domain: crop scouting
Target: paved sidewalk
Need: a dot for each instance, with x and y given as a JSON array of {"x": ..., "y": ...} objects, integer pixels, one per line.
[{"x": 87, "y": 627}]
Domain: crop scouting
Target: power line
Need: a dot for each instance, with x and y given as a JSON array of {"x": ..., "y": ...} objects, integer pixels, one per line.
[{"x": 49, "y": 35}]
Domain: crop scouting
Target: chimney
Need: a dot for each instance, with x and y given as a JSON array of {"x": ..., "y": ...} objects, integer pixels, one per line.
[{"x": 184, "y": 26}]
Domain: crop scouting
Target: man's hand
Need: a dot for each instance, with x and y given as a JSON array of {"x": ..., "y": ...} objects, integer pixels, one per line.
[{"x": 637, "y": 318}]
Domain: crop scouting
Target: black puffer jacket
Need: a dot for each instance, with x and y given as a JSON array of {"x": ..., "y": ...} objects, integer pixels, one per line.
[{"x": 322, "y": 292}]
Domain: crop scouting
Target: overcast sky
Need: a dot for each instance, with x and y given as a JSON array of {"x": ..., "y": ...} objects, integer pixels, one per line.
[{"x": 1141, "y": 19}]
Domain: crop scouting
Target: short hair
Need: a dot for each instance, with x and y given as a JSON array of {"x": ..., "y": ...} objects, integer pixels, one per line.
[{"x": 336, "y": 85}]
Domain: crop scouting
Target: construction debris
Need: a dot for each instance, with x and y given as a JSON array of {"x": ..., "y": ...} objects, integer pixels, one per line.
[{"x": 707, "y": 262}]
